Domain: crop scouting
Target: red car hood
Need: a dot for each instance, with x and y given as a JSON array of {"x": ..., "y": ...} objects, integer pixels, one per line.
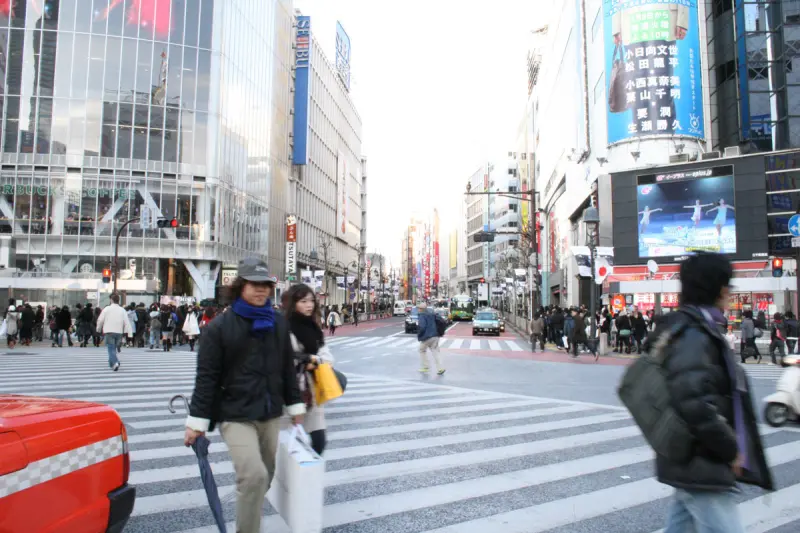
[{"x": 14, "y": 405}]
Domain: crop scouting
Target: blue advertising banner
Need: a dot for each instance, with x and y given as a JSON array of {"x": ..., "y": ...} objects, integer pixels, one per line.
[
  {"x": 343, "y": 55},
  {"x": 652, "y": 56},
  {"x": 302, "y": 61}
]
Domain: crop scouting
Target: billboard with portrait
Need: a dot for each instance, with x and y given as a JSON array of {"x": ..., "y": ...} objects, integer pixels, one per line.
[
  {"x": 688, "y": 211},
  {"x": 652, "y": 58}
]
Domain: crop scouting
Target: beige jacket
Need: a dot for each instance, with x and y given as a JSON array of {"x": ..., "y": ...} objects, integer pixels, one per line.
[
  {"x": 114, "y": 319},
  {"x": 315, "y": 416}
]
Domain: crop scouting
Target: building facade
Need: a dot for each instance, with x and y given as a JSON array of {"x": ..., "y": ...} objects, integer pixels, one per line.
[
  {"x": 135, "y": 111},
  {"x": 328, "y": 187}
]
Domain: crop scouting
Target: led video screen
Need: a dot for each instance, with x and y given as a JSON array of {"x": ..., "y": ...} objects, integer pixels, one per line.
[{"x": 686, "y": 212}]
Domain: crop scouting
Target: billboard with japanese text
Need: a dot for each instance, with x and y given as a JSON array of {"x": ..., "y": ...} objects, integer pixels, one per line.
[
  {"x": 652, "y": 55},
  {"x": 302, "y": 62}
]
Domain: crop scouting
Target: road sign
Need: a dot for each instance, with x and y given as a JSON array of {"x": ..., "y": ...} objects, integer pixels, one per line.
[
  {"x": 795, "y": 242},
  {"x": 794, "y": 226}
]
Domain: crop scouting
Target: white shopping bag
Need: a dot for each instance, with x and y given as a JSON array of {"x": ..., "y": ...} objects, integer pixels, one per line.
[
  {"x": 4, "y": 329},
  {"x": 565, "y": 340},
  {"x": 298, "y": 488}
]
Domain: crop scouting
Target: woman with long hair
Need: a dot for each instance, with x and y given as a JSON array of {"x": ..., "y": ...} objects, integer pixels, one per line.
[{"x": 302, "y": 310}]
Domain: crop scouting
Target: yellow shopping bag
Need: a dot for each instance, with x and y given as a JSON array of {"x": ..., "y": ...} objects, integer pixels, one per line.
[{"x": 326, "y": 384}]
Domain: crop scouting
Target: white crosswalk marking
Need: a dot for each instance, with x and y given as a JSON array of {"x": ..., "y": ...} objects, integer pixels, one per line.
[
  {"x": 342, "y": 344},
  {"x": 764, "y": 372},
  {"x": 445, "y": 459}
]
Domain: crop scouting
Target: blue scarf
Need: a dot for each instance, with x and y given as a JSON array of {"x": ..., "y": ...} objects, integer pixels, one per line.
[{"x": 263, "y": 317}]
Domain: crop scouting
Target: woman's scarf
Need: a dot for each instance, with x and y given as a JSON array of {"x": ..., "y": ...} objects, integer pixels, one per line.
[
  {"x": 308, "y": 333},
  {"x": 263, "y": 317}
]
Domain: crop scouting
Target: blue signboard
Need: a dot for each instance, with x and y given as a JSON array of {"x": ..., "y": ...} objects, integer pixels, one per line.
[
  {"x": 652, "y": 58},
  {"x": 343, "y": 55},
  {"x": 302, "y": 61}
]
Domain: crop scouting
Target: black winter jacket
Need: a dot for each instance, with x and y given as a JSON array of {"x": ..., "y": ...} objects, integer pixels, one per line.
[
  {"x": 701, "y": 391},
  {"x": 241, "y": 377}
]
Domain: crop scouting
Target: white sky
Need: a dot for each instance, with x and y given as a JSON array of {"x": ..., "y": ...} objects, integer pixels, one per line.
[{"x": 440, "y": 86}]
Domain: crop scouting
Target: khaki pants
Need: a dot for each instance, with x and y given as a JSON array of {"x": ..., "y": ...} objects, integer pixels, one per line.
[
  {"x": 252, "y": 446},
  {"x": 433, "y": 345}
]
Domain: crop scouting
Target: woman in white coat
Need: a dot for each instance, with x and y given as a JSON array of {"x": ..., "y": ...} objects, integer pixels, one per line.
[
  {"x": 302, "y": 310},
  {"x": 191, "y": 326}
]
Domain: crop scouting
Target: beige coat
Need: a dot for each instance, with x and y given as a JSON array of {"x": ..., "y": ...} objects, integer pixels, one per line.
[{"x": 315, "y": 416}]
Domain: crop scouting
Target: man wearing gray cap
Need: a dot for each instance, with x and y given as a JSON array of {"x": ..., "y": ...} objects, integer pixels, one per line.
[{"x": 245, "y": 379}]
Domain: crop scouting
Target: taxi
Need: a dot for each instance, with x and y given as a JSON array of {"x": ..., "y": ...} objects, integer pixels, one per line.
[
  {"x": 486, "y": 322},
  {"x": 64, "y": 467}
]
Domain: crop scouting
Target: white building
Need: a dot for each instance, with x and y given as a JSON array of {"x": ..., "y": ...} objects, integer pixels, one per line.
[
  {"x": 328, "y": 187},
  {"x": 570, "y": 140}
]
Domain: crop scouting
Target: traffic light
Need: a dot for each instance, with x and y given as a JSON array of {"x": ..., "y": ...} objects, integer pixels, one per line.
[
  {"x": 106, "y": 275},
  {"x": 167, "y": 223},
  {"x": 483, "y": 280},
  {"x": 777, "y": 267}
]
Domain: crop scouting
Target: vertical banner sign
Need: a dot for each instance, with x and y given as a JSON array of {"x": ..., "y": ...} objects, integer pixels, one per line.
[
  {"x": 302, "y": 61},
  {"x": 342, "y": 177},
  {"x": 343, "y": 55},
  {"x": 652, "y": 57},
  {"x": 291, "y": 245}
]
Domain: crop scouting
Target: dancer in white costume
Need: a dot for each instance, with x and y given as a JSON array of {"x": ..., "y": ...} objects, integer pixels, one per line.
[
  {"x": 698, "y": 211},
  {"x": 722, "y": 215},
  {"x": 646, "y": 217}
]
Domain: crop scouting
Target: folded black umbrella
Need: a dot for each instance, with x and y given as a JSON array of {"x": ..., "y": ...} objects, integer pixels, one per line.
[{"x": 200, "y": 447}]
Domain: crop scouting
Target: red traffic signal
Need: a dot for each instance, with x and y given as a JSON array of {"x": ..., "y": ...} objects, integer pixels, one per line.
[
  {"x": 167, "y": 223},
  {"x": 106, "y": 275},
  {"x": 777, "y": 267},
  {"x": 483, "y": 280}
]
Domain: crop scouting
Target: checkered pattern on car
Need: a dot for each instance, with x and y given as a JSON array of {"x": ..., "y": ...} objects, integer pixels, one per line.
[{"x": 60, "y": 465}]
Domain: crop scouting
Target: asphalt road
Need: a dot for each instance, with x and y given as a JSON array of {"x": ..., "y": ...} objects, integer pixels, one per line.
[{"x": 505, "y": 441}]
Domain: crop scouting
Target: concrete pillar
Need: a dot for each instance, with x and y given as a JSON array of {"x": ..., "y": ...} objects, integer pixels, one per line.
[{"x": 204, "y": 278}]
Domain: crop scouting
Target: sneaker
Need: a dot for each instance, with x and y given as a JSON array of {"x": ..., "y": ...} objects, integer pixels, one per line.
[
  {"x": 424, "y": 370},
  {"x": 441, "y": 372},
  {"x": 115, "y": 367}
]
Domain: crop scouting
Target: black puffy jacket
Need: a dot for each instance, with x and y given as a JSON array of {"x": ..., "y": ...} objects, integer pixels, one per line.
[
  {"x": 242, "y": 377},
  {"x": 702, "y": 394}
]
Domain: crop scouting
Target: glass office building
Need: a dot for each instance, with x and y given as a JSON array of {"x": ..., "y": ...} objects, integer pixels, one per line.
[{"x": 115, "y": 110}]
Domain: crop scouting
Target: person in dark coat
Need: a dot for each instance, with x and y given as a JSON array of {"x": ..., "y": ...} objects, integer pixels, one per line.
[
  {"x": 26, "y": 320},
  {"x": 639, "y": 327},
  {"x": 245, "y": 379},
  {"x": 63, "y": 325},
  {"x": 710, "y": 392},
  {"x": 578, "y": 332}
]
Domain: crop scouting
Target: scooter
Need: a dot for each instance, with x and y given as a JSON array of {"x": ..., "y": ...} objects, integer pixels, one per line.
[{"x": 784, "y": 405}]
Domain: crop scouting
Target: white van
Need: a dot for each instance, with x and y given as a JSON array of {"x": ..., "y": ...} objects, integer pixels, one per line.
[{"x": 399, "y": 308}]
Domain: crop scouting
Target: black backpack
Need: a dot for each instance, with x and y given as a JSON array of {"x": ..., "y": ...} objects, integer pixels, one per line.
[
  {"x": 441, "y": 325},
  {"x": 644, "y": 392}
]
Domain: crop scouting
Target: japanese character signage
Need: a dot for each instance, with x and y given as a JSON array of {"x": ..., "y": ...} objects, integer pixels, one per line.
[
  {"x": 302, "y": 60},
  {"x": 653, "y": 61},
  {"x": 343, "y": 55}
]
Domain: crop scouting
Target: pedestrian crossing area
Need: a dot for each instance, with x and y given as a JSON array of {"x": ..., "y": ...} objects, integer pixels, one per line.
[
  {"x": 445, "y": 343},
  {"x": 408, "y": 456},
  {"x": 764, "y": 371}
]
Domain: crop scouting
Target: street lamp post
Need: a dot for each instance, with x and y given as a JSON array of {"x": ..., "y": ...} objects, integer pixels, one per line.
[
  {"x": 591, "y": 219},
  {"x": 116, "y": 250}
]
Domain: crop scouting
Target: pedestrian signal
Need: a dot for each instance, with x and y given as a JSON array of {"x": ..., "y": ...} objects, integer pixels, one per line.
[
  {"x": 777, "y": 267},
  {"x": 483, "y": 280},
  {"x": 106, "y": 275}
]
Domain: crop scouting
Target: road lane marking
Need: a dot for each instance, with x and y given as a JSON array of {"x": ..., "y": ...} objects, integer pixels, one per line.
[
  {"x": 475, "y": 344},
  {"x": 514, "y": 346}
]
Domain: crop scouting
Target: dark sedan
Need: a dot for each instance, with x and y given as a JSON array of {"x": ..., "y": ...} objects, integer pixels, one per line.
[{"x": 412, "y": 320}]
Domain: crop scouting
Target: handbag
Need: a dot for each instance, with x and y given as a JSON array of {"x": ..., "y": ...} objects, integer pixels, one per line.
[
  {"x": 342, "y": 379},
  {"x": 617, "y": 97},
  {"x": 326, "y": 384},
  {"x": 624, "y": 333}
]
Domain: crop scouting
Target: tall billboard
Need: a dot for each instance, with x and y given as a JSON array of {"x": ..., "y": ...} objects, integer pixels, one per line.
[
  {"x": 652, "y": 57},
  {"x": 343, "y": 55},
  {"x": 302, "y": 62},
  {"x": 454, "y": 250},
  {"x": 685, "y": 212},
  {"x": 342, "y": 199}
]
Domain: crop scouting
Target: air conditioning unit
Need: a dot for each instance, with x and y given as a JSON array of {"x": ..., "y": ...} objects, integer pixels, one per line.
[
  {"x": 733, "y": 151},
  {"x": 679, "y": 158},
  {"x": 714, "y": 154}
]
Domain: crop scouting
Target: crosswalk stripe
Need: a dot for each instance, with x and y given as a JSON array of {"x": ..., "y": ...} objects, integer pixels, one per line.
[
  {"x": 456, "y": 344},
  {"x": 494, "y": 345},
  {"x": 445, "y": 458},
  {"x": 513, "y": 346},
  {"x": 475, "y": 344}
]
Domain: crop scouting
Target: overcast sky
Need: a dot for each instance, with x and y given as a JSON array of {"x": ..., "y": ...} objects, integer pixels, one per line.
[{"x": 440, "y": 86}]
